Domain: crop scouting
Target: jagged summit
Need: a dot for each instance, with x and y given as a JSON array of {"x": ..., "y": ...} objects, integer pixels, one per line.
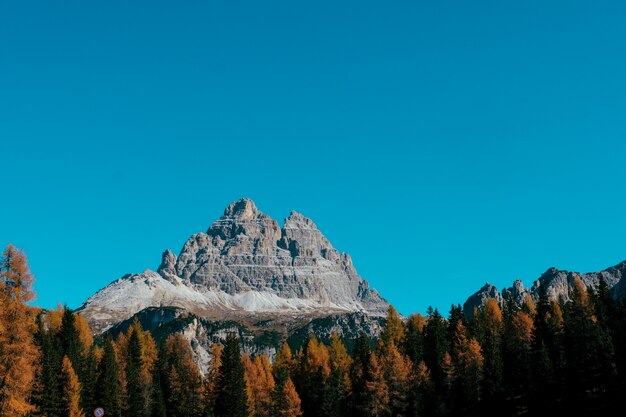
[
  {"x": 245, "y": 262},
  {"x": 559, "y": 285}
]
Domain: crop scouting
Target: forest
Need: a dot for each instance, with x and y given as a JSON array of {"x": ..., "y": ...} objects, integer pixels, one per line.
[{"x": 539, "y": 358}]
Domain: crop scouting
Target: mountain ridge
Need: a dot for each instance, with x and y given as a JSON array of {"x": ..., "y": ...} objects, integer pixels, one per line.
[{"x": 245, "y": 263}]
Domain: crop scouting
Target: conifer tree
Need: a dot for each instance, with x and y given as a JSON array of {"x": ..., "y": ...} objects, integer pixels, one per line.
[
  {"x": 19, "y": 354},
  {"x": 49, "y": 388},
  {"x": 398, "y": 373},
  {"x": 413, "y": 344},
  {"x": 393, "y": 331},
  {"x": 70, "y": 339},
  {"x": 313, "y": 371},
  {"x": 211, "y": 378},
  {"x": 589, "y": 349},
  {"x": 260, "y": 385},
  {"x": 183, "y": 379},
  {"x": 435, "y": 345},
  {"x": 469, "y": 363},
  {"x": 109, "y": 391},
  {"x": 376, "y": 390},
  {"x": 337, "y": 388},
  {"x": 358, "y": 376},
  {"x": 490, "y": 332},
  {"x": 134, "y": 385},
  {"x": 288, "y": 403},
  {"x": 71, "y": 390},
  {"x": 230, "y": 399}
]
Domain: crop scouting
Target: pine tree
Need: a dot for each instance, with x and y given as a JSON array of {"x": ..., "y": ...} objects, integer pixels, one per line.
[
  {"x": 358, "y": 376},
  {"x": 435, "y": 345},
  {"x": 589, "y": 351},
  {"x": 19, "y": 354},
  {"x": 134, "y": 385},
  {"x": 49, "y": 389},
  {"x": 70, "y": 339},
  {"x": 157, "y": 401},
  {"x": 71, "y": 390},
  {"x": 109, "y": 391},
  {"x": 230, "y": 399},
  {"x": 517, "y": 357},
  {"x": 413, "y": 344}
]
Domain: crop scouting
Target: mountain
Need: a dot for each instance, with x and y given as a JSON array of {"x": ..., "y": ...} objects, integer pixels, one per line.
[
  {"x": 246, "y": 269},
  {"x": 558, "y": 284}
]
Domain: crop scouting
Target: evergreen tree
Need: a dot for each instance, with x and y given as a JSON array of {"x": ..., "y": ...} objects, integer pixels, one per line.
[
  {"x": 490, "y": 328},
  {"x": 413, "y": 344},
  {"x": 134, "y": 386},
  {"x": 71, "y": 390},
  {"x": 157, "y": 401},
  {"x": 50, "y": 390},
  {"x": 359, "y": 375},
  {"x": 589, "y": 351},
  {"x": 109, "y": 391},
  {"x": 70, "y": 340},
  {"x": 435, "y": 345},
  {"x": 230, "y": 399}
]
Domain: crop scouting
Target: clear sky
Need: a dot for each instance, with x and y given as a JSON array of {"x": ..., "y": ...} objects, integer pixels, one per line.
[{"x": 441, "y": 143}]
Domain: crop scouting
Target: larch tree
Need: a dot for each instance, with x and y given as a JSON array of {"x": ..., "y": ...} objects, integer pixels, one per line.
[
  {"x": 260, "y": 385},
  {"x": 19, "y": 354},
  {"x": 398, "y": 373},
  {"x": 393, "y": 331},
  {"x": 313, "y": 371},
  {"x": 288, "y": 404},
  {"x": 71, "y": 390},
  {"x": 469, "y": 363},
  {"x": 211, "y": 378},
  {"x": 184, "y": 381},
  {"x": 376, "y": 390},
  {"x": 490, "y": 333},
  {"x": 337, "y": 387}
]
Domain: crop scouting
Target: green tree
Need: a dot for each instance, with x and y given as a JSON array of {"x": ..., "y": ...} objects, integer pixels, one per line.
[
  {"x": 231, "y": 399},
  {"x": 109, "y": 391}
]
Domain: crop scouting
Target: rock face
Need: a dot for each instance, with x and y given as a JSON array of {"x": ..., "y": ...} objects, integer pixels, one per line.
[
  {"x": 559, "y": 285},
  {"x": 245, "y": 263}
]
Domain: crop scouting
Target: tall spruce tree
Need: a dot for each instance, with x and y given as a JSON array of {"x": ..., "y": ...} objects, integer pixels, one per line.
[
  {"x": 231, "y": 399},
  {"x": 134, "y": 385},
  {"x": 109, "y": 392}
]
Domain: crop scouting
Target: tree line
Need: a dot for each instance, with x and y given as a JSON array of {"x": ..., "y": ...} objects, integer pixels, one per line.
[{"x": 507, "y": 360}]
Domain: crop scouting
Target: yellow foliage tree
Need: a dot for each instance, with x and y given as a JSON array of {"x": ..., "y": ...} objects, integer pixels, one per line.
[
  {"x": 71, "y": 390},
  {"x": 19, "y": 356}
]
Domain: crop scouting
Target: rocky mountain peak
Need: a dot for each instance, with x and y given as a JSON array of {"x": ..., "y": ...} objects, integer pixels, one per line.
[
  {"x": 243, "y": 209},
  {"x": 244, "y": 263}
]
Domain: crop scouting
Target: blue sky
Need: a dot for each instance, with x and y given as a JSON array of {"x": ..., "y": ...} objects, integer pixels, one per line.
[{"x": 442, "y": 144}]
